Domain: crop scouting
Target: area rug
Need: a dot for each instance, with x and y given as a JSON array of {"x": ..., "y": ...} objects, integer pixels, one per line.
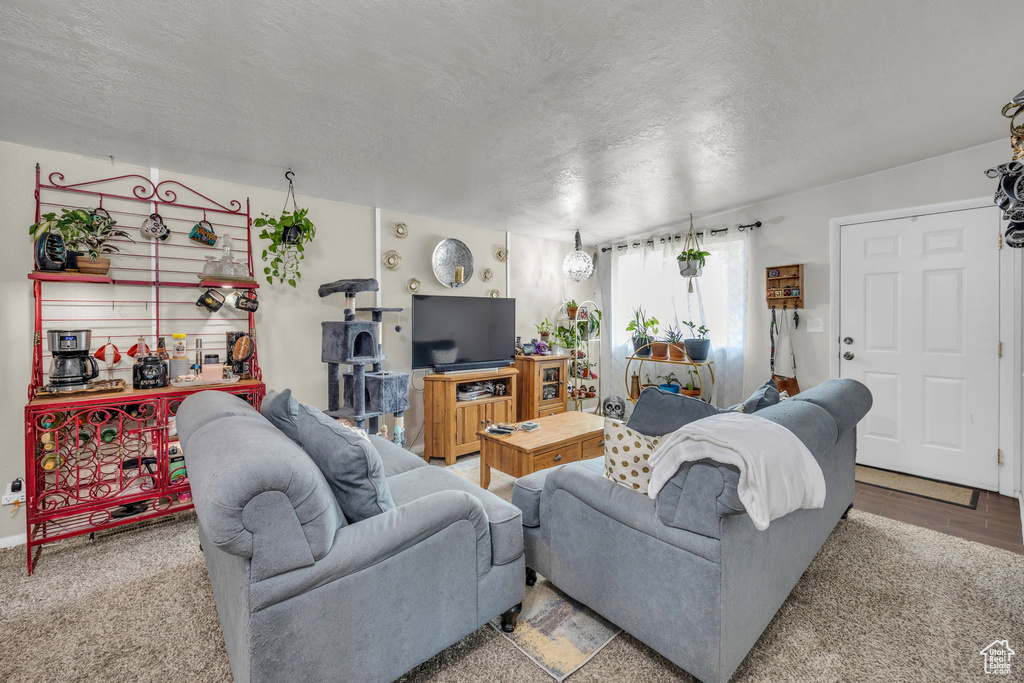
[
  {"x": 468, "y": 467},
  {"x": 558, "y": 633},
  {"x": 953, "y": 494},
  {"x": 882, "y": 601}
]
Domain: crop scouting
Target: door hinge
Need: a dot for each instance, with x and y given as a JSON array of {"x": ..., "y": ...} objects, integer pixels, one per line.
[
  {"x": 1000, "y": 349},
  {"x": 999, "y": 456},
  {"x": 1000, "y": 240}
]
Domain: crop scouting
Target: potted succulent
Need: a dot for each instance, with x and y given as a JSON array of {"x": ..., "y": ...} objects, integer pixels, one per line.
[
  {"x": 644, "y": 330},
  {"x": 671, "y": 383},
  {"x": 692, "y": 387},
  {"x": 691, "y": 262},
  {"x": 288, "y": 234},
  {"x": 544, "y": 329},
  {"x": 571, "y": 307},
  {"x": 699, "y": 348},
  {"x": 674, "y": 339}
]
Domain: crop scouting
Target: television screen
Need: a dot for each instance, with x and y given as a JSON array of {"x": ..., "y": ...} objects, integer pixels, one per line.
[{"x": 452, "y": 330}]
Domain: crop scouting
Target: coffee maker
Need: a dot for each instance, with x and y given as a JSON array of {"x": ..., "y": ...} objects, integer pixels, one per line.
[{"x": 72, "y": 367}]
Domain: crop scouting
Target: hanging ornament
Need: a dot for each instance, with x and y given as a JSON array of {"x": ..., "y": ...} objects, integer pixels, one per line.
[{"x": 577, "y": 263}]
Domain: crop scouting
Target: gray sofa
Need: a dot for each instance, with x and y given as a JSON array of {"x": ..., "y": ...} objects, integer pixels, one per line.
[
  {"x": 302, "y": 595},
  {"x": 688, "y": 574}
]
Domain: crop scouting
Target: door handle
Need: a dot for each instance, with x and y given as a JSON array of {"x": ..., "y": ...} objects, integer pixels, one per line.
[
  {"x": 847, "y": 340},
  {"x": 848, "y": 355}
]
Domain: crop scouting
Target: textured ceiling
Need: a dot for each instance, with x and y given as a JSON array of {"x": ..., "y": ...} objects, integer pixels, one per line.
[{"x": 537, "y": 116}]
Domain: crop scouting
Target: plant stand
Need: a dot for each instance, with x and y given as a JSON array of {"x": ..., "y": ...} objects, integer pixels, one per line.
[{"x": 636, "y": 364}]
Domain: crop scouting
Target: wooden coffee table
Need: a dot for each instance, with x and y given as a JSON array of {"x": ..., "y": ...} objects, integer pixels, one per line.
[{"x": 565, "y": 437}]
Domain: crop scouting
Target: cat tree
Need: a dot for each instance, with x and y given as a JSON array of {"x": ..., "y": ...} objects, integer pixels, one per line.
[{"x": 358, "y": 343}]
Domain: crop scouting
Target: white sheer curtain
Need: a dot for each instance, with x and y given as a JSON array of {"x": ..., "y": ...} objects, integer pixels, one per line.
[{"x": 644, "y": 273}]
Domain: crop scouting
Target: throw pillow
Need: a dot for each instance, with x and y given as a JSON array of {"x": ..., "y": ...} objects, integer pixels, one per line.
[
  {"x": 626, "y": 455},
  {"x": 766, "y": 395},
  {"x": 282, "y": 410},
  {"x": 349, "y": 462}
]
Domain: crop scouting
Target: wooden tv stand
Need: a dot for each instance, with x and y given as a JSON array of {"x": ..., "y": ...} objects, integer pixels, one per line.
[{"x": 451, "y": 425}]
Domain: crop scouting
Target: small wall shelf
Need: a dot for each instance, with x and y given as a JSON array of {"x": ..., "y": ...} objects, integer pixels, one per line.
[{"x": 784, "y": 286}]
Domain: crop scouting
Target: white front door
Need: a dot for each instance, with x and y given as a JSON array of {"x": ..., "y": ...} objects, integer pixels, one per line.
[{"x": 919, "y": 325}]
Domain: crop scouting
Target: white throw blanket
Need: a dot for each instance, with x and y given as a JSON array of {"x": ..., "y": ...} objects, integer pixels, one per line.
[{"x": 777, "y": 473}]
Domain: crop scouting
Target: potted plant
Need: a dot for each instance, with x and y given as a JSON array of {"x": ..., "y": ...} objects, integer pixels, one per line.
[
  {"x": 671, "y": 383},
  {"x": 674, "y": 339},
  {"x": 564, "y": 340},
  {"x": 85, "y": 234},
  {"x": 699, "y": 348},
  {"x": 691, "y": 262},
  {"x": 287, "y": 234},
  {"x": 69, "y": 227},
  {"x": 644, "y": 330},
  {"x": 571, "y": 307},
  {"x": 692, "y": 387},
  {"x": 544, "y": 329},
  {"x": 659, "y": 349}
]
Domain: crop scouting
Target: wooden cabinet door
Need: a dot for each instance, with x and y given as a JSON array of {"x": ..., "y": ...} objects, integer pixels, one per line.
[
  {"x": 551, "y": 383},
  {"x": 469, "y": 419},
  {"x": 500, "y": 411}
]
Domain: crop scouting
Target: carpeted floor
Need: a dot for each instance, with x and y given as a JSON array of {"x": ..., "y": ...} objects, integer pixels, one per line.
[{"x": 882, "y": 601}]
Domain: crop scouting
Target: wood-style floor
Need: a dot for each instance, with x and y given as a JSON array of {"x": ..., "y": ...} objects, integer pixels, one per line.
[{"x": 996, "y": 522}]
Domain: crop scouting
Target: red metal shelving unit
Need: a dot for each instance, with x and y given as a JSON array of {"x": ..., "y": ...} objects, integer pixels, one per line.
[{"x": 89, "y": 458}]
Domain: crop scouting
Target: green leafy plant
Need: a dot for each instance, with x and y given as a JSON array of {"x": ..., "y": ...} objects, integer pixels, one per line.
[
  {"x": 288, "y": 234},
  {"x": 545, "y": 327},
  {"x": 697, "y": 332},
  {"x": 694, "y": 255},
  {"x": 673, "y": 335},
  {"x": 641, "y": 326},
  {"x": 565, "y": 338},
  {"x": 670, "y": 378},
  {"x": 690, "y": 386},
  {"x": 571, "y": 303},
  {"x": 594, "y": 323},
  {"x": 81, "y": 231}
]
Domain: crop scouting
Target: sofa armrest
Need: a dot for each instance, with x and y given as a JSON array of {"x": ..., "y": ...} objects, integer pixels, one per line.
[
  {"x": 363, "y": 545},
  {"x": 698, "y": 496}
]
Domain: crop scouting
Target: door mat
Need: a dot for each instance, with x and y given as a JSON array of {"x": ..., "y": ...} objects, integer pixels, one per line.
[
  {"x": 558, "y": 633},
  {"x": 953, "y": 494}
]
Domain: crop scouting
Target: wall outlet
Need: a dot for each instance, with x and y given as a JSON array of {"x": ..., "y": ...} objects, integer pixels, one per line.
[{"x": 10, "y": 498}]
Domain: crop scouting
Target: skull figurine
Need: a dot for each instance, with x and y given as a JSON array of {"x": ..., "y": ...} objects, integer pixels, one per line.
[{"x": 614, "y": 407}]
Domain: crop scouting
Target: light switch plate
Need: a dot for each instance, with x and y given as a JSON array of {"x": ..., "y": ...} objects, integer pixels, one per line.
[{"x": 815, "y": 325}]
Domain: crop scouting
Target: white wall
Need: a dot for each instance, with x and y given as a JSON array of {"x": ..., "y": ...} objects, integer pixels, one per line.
[{"x": 288, "y": 321}]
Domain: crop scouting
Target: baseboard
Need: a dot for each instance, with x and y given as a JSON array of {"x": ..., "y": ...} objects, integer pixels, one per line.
[
  {"x": 11, "y": 541},
  {"x": 1020, "y": 502}
]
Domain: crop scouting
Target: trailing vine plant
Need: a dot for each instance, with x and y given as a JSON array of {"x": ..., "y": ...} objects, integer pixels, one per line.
[{"x": 288, "y": 233}]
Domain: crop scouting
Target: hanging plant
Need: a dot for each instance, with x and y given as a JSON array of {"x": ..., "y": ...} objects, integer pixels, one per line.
[
  {"x": 287, "y": 234},
  {"x": 692, "y": 259}
]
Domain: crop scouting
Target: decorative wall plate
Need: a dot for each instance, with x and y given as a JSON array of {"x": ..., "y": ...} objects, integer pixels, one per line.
[
  {"x": 413, "y": 286},
  {"x": 452, "y": 262},
  {"x": 493, "y": 293},
  {"x": 487, "y": 274},
  {"x": 392, "y": 259},
  {"x": 501, "y": 253},
  {"x": 401, "y": 230}
]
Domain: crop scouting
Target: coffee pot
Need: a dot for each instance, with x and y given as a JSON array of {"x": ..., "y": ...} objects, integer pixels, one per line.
[{"x": 71, "y": 367}]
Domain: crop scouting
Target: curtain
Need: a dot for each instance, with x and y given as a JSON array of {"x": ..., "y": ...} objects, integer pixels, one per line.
[{"x": 644, "y": 272}]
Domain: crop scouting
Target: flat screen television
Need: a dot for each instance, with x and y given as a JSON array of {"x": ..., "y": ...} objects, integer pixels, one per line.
[{"x": 451, "y": 333}]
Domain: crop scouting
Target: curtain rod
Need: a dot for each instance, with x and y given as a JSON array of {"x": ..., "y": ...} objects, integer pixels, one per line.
[{"x": 676, "y": 238}]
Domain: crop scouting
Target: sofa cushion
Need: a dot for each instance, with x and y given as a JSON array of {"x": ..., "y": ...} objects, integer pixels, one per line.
[
  {"x": 349, "y": 462},
  {"x": 626, "y": 455},
  {"x": 283, "y": 411},
  {"x": 395, "y": 458},
  {"x": 505, "y": 519},
  {"x": 527, "y": 492},
  {"x": 764, "y": 396},
  {"x": 660, "y": 412}
]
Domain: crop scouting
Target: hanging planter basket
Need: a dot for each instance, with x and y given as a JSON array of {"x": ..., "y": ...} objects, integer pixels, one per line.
[
  {"x": 288, "y": 235},
  {"x": 691, "y": 258},
  {"x": 690, "y": 267}
]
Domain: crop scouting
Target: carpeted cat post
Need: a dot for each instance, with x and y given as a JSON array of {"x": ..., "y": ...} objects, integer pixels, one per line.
[{"x": 367, "y": 395}]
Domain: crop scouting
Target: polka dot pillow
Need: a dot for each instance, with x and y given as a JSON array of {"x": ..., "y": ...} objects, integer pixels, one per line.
[{"x": 627, "y": 454}]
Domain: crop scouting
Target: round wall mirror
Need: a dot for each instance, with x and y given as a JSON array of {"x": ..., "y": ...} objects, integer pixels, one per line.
[{"x": 452, "y": 262}]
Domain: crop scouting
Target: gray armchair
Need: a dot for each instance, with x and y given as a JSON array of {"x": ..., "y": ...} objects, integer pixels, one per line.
[
  {"x": 304, "y": 595},
  {"x": 689, "y": 574}
]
